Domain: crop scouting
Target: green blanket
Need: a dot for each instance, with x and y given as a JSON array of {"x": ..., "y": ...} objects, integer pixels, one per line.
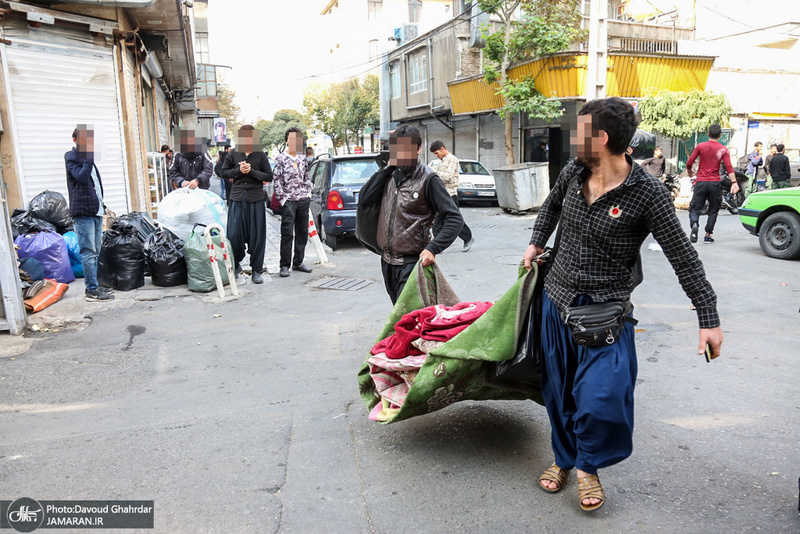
[{"x": 458, "y": 369}]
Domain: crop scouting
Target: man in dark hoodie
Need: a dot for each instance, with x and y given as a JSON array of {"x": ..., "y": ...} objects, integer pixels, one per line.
[
  {"x": 86, "y": 208},
  {"x": 191, "y": 167},
  {"x": 410, "y": 196}
]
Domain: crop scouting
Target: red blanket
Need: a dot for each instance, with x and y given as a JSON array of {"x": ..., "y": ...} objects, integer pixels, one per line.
[{"x": 435, "y": 323}]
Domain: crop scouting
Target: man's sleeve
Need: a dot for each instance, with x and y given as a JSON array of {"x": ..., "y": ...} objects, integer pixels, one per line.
[
  {"x": 372, "y": 192},
  {"x": 549, "y": 214},
  {"x": 452, "y": 221},
  {"x": 204, "y": 178},
  {"x": 726, "y": 159},
  {"x": 278, "y": 179},
  {"x": 692, "y": 158},
  {"x": 229, "y": 169},
  {"x": 81, "y": 171},
  {"x": 175, "y": 172},
  {"x": 663, "y": 167},
  {"x": 265, "y": 173},
  {"x": 667, "y": 230},
  {"x": 787, "y": 168}
]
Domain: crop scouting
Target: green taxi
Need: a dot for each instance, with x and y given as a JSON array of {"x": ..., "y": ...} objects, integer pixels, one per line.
[{"x": 774, "y": 216}]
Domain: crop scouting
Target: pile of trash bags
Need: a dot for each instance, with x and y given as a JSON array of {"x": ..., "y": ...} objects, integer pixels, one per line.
[
  {"x": 50, "y": 250},
  {"x": 48, "y": 210},
  {"x": 183, "y": 208},
  {"x": 163, "y": 253}
]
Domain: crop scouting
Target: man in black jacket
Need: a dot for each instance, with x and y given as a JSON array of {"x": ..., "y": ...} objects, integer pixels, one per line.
[
  {"x": 409, "y": 194},
  {"x": 226, "y": 184},
  {"x": 780, "y": 169},
  {"x": 191, "y": 167},
  {"x": 247, "y": 169}
]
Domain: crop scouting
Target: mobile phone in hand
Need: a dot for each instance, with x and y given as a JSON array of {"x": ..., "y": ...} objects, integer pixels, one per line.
[{"x": 708, "y": 353}]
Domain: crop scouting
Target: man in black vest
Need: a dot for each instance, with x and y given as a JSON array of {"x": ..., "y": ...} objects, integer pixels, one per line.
[{"x": 410, "y": 196}]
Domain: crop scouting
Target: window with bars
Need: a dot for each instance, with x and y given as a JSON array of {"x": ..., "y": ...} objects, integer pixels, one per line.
[
  {"x": 418, "y": 73},
  {"x": 394, "y": 79}
]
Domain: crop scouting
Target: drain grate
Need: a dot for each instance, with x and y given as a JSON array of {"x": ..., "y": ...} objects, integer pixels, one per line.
[{"x": 340, "y": 284}]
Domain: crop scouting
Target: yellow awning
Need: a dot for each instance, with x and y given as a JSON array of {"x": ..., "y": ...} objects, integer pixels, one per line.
[{"x": 629, "y": 76}]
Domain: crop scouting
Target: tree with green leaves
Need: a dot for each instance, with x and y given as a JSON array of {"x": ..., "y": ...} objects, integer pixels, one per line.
[
  {"x": 680, "y": 115},
  {"x": 228, "y": 109},
  {"x": 529, "y": 29},
  {"x": 273, "y": 133}
]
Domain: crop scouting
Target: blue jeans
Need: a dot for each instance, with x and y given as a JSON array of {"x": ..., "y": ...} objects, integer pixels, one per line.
[{"x": 90, "y": 235}]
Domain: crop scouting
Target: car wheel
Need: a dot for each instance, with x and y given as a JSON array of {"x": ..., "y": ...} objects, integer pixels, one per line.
[
  {"x": 330, "y": 240},
  {"x": 779, "y": 236}
]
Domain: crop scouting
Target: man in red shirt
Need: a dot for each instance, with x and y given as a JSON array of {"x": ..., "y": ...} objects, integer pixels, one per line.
[{"x": 707, "y": 187}]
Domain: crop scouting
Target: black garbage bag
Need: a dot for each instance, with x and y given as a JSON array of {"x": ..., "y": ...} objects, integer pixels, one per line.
[
  {"x": 121, "y": 262},
  {"x": 163, "y": 253},
  {"x": 28, "y": 223},
  {"x": 52, "y": 207},
  {"x": 141, "y": 222}
]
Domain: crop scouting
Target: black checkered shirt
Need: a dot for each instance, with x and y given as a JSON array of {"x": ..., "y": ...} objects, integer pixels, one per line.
[{"x": 600, "y": 243}]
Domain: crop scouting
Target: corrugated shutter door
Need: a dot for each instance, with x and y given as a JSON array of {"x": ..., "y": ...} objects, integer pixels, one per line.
[
  {"x": 161, "y": 113},
  {"x": 53, "y": 89}
]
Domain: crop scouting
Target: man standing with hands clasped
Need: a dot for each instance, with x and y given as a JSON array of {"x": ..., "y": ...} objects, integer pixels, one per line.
[
  {"x": 293, "y": 191},
  {"x": 248, "y": 169},
  {"x": 606, "y": 205}
]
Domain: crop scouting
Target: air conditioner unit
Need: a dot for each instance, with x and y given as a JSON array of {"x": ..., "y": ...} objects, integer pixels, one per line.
[{"x": 408, "y": 32}]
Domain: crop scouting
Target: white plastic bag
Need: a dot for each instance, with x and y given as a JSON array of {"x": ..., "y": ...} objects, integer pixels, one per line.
[{"x": 183, "y": 208}]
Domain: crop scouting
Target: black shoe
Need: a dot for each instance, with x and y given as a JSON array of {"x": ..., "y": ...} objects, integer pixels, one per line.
[
  {"x": 237, "y": 271},
  {"x": 257, "y": 279},
  {"x": 106, "y": 290},
  {"x": 693, "y": 236},
  {"x": 301, "y": 267},
  {"x": 284, "y": 272},
  {"x": 708, "y": 239},
  {"x": 468, "y": 245},
  {"x": 97, "y": 295}
]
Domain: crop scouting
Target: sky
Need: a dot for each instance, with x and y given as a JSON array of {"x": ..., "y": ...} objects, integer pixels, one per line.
[
  {"x": 276, "y": 47},
  {"x": 271, "y": 45}
]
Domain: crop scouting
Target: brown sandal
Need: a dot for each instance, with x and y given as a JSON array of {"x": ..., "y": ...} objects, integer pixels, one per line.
[
  {"x": 589, "y": 488},
  {"x": 553, "y": 474}
]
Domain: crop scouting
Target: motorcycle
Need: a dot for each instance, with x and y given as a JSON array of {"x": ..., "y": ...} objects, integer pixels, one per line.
[{"x": 730, "y": 201}]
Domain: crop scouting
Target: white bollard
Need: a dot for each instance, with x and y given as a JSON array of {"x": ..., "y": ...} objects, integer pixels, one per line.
[
  {"x": 212, "y": 256},
  {"x": 313, "y": 236}
]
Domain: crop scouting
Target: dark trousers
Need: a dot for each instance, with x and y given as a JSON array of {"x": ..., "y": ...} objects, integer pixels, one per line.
[
  {"x": 588, "y": 392},
  {"x": 247, "y": 225},
  {"x": 466, "y": 233},
  {"x": 294, "y": 225},
  {"x": 395, "y": 278},
  {"x": 703, "y": 191}
]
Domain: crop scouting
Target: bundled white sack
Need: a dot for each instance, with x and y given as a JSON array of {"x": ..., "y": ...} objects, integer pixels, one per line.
[{"x": 183, "y": 208}]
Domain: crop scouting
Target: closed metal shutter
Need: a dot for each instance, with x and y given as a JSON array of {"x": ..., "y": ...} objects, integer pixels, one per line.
[
  {"x": 57, "y": 80},
  {"x": 162, "y": 116}
]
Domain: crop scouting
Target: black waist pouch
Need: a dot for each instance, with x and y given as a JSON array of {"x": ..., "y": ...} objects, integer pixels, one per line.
[{"x": 598, "y": 325}]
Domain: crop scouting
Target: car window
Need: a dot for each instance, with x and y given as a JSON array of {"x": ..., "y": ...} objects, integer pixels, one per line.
[
  {"x": 318, "y": 176},
  {"x": 349, "y": 173},
  {"x": 473, "y": 167}
]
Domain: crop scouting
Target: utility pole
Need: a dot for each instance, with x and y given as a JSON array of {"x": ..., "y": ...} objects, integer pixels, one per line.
[{"x": 598, "y": 50}]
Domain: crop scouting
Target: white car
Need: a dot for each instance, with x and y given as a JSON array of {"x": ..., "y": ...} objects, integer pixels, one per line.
[{"x": 475, "y": 182}]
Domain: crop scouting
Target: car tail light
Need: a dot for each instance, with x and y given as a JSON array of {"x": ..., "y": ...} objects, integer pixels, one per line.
[{"x": 335, "y": 201}]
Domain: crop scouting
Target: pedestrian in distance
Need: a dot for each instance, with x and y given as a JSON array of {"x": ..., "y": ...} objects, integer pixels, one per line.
[
  {"x": 754, "y": 162},
  {"x": 86, "y": 208},
  {"x": 773, "y": 149},
  {"x": 225, "y": 150},
  {"x": 540, "y": 152},
  {"x": 449, "y": 171},
  {"x": 410, "y": 195},
  {"x": 192, "y": 166},
  {"x": 247, "y": 169},
  {"x": 606, "y": 205},
  {"x": 293, "y": 191},
  {"x": 168, "y": 154},
  {"x": 657, "y": 165},
  {"x": 707, "y": 186},
  {"x": 781, "y": 170},
  {"x": 309, "y": 155}
]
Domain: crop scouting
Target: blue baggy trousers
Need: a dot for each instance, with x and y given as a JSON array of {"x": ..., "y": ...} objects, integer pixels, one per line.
[{"x": 588, "y": 392}]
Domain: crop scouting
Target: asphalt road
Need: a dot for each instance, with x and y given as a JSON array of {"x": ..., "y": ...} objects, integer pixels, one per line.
[{"x": 252, "y": 422}]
